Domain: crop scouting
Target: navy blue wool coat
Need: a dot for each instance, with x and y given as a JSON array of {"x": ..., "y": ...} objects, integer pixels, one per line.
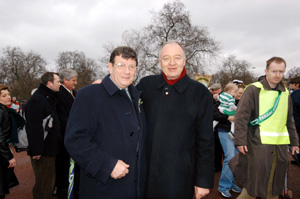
[
  {"x": 180, "y": 146},
  {"x": 105, "y": 125}
]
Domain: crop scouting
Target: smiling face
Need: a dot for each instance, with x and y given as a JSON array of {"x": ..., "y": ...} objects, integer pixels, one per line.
[
  {"x": 122, "y": 76},
  {"x": 172, "y": 60},
  {"x": 274, "y": 73},
  {"x": 71, "y": 83},
  {"x": 5, "y": 97}
]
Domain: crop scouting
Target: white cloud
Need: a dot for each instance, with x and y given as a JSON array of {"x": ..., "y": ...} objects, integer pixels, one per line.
[{"x": 253, "y": 30}]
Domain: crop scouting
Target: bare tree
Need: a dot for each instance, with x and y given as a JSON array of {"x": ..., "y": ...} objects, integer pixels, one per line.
[
  {"x": 231, "y": 69},
  {"x": 21, "y": 70},
  {"x": 172, "y": 22},
  {"x": 293, "y": 72},
  {"x": 77, "y": 61}
]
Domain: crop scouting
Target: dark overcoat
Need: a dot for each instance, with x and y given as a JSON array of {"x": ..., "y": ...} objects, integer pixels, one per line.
[
  {"x": 180, "y": 146},
  {"x": 5, "y": 152},
  {"x": 10, "y": 121},
  {"x": 64, "y": 105},
  {"x": 105, "y": 126},
  {"x": 40, "y": 105},
  {"x": 65, "y": 102},
  {"x": 296, "y": 109}
]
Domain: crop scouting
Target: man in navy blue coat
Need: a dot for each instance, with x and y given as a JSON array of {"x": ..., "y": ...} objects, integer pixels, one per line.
[
  {"x": 106, "y": 133},
  {"x": 295, "y": 95}
]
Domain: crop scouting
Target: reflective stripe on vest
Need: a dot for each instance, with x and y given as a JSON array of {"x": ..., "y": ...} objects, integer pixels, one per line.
[{"x": 273, "y": 130}]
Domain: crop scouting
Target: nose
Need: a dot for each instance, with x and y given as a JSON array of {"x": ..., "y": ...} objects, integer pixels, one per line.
[
  {"x": 172, "y": 61},
  {"x": 277, "y": 73},
  {"x": 126, "y": 70}
]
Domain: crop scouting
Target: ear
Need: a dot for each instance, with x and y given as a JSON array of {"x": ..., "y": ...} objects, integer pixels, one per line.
[
  {"x": 49, "y": 83},
  {"x": 266, "y": 71},
  {"x": 110, "y": 67}
]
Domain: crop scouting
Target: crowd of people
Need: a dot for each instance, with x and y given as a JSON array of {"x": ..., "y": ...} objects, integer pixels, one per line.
[{"x": 164, "y": 138}]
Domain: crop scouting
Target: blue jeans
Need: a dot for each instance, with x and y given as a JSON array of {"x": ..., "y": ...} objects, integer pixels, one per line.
[{"x": 227, "y": 180}]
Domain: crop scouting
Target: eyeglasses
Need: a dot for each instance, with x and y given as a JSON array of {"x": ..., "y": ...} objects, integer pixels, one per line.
[{"x": 122, "y": 67}]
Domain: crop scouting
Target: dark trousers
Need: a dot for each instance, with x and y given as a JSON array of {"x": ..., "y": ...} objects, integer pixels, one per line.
[
  {"x": 76, "y": 182},
  {"x": 62, "y": 174},
  {"x": 44, "y": 171}
]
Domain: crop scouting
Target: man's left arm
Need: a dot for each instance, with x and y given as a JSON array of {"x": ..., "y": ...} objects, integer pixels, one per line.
[{"x": 205, "y": 146}]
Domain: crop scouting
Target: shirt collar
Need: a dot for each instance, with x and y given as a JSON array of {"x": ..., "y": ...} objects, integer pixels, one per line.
[
  {"x": 111, "y": 88},
  {"x": 66, "y": 88}
]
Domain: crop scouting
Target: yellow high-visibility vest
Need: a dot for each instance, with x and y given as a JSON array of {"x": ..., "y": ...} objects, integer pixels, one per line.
[{"x": 273, "y": 130}]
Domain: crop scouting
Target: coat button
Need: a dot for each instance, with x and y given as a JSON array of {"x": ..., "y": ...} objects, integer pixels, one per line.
[
  {"x": 128, "y": 113},
  {"x": 131, "y": 134}
]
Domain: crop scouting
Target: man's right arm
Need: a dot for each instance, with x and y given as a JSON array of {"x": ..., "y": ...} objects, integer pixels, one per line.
[{"x": 120, "y": 170}]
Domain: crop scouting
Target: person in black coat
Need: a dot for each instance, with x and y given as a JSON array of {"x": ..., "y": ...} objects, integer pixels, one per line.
[
  {"x": 10, "y": 121},
  {"x": 180, "y": 146},
  {"x": 43, "y": 151},
  {"x": 106, "y": 133},
  {"x": 66, "y": 94},
  {"x": 295, "y": 95}
]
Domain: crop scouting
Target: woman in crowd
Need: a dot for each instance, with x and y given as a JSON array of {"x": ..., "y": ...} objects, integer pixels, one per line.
[
  {"x": 239, "y": 93},
  {"x": 10, "y": 121}
]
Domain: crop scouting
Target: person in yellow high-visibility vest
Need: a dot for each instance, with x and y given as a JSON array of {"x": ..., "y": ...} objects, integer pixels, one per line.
[{"x": 264, "y": 129}]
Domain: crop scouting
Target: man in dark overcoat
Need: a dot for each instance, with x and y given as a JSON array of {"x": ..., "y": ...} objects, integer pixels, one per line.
[
  {"x": 295, "y": 95},
  {"x": 106, "y": 133},
  {"x": 180, "y": 146},
  {"x": 43, "y": 151},
  {"x": 66, "y": 94}
]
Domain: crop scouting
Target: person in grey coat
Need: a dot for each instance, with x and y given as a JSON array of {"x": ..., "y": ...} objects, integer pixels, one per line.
[
  {"x": 106, "y": 133},
  {"x": 180, "y": 145}
]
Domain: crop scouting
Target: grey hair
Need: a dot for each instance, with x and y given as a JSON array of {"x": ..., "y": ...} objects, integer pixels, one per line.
[
  {"x": 67, "y": 74},
  {"x": 170, "y": 42}
]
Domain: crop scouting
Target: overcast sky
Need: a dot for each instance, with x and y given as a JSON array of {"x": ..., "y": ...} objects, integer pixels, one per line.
[{"x": 253, "y": 30}]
